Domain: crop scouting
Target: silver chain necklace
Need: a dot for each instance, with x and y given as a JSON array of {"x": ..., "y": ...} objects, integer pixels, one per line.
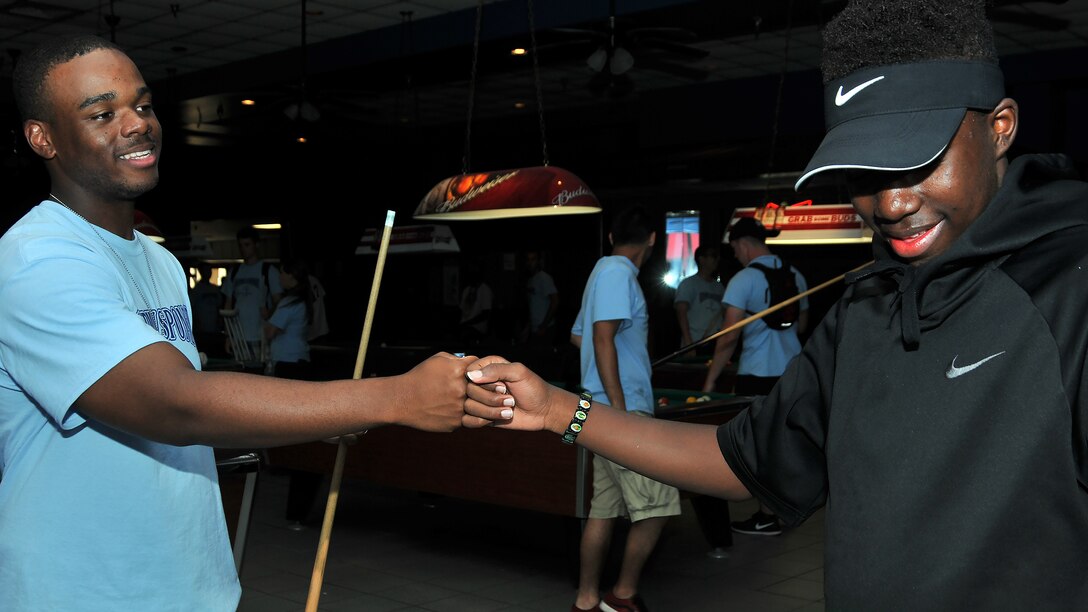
[{"x": 143, "y": 250}]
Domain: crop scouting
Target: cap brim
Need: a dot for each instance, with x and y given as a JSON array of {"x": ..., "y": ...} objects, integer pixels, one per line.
[{"x": 892, "y": 142}]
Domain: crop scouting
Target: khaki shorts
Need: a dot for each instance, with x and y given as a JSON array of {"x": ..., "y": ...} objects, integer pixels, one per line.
[{"x": 617, "y": 491}]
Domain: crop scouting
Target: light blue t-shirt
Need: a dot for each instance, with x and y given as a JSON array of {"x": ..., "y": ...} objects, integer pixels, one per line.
[
  {"x": 290, "y": 344},
  {"x": 612, "y": 293},
  {"x": 247, "y": 286},
  {"x": 92, "y": 518},
  {"x": 704, "y": 299},
  {"x": 764, "y": 351}
]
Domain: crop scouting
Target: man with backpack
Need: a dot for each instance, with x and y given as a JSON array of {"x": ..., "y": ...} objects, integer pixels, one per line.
[{"x": 770, "y": 343}]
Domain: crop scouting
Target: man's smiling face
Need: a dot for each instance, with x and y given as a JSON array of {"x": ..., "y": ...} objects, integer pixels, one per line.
[{"x": 920, "y": 213}]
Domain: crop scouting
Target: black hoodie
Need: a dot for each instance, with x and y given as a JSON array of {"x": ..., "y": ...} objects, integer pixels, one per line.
[{"x": 939, "y": 413}]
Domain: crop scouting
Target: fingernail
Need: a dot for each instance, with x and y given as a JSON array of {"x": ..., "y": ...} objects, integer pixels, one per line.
[
  {"x": 508, "y": 401},
  {"x": 507, "y": 414},
  {"x": 474, "y": 374},
  {"x": 501, "y": 389}
]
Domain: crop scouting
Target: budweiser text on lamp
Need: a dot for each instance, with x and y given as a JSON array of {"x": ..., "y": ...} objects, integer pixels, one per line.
[{"x": 519, "y": 192}]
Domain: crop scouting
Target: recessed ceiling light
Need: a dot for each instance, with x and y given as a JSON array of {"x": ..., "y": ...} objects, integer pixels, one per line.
[
  {"x": 268, "y": 226},
  {"x": 248, "y": 102},
  {"x": 518, "y": 51}
]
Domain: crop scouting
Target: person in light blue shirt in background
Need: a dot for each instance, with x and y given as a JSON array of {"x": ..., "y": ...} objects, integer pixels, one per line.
[
  {"x": 288, "y": 328},
  {"x": 615, "y": 366}
]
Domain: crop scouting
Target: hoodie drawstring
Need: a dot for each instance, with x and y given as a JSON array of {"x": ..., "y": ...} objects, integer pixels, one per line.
[{"x": 908, "y": 295}]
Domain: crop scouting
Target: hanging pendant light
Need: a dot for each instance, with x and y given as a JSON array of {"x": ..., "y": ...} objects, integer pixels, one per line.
[{"x": 519, "y": 192}]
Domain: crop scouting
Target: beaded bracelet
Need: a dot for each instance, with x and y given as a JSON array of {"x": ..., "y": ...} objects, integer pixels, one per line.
[{"x": 579, "y": 418}]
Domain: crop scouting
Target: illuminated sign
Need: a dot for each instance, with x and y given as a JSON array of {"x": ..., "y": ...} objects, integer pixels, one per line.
[{"x": 805, "y": 223}]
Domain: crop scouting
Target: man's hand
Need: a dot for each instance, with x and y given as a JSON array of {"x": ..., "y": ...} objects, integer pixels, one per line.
[
  {"x": 497, "y": 380},
  {"x": 432, "y": 395}
]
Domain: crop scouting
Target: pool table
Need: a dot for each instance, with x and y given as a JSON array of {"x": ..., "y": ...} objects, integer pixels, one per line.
[
  {"x": 528, "y": 470},
  {"x": 689, "y": 372}
]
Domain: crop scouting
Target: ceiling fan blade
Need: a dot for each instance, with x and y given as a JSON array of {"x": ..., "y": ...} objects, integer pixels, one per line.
[
  {"x": 597, "y": 60},
  {"x": 675, "y": 69},
  {"x": 674, "y": 47},
  {"x": 578, "y": 32},
  {"x": 308, "y": 111},
  {"x": 621, "y": 61},
  {"x": 671, "y": 33}
]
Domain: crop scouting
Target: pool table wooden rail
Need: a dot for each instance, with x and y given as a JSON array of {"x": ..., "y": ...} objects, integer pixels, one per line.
[{"x": 527, "y": 470}]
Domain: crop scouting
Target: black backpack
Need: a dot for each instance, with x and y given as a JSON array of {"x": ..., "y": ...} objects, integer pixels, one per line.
[{"x": 781, "y": 285}]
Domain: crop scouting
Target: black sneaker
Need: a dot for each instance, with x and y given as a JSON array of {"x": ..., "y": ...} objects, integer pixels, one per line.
[{"x": 758, "y": 524}]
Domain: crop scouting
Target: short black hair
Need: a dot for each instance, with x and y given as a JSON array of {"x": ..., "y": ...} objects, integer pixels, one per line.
[
  {"x": 882, "y": 32},
  {"x": 707, "y": 250},
  {"x": 748, "y": 227},
  {"x": 33, "y": 66},
  {"x": 631, "y": 225},
  {"x": 248, "y": 231}
]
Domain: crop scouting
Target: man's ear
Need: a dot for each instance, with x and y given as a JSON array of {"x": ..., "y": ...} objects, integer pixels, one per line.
[
  {"x": 37, "y": 136},
  {"x": 653, "y": 238},
  {"x": 1004, "y": 120},
  {"x": 610, "y": 241}
]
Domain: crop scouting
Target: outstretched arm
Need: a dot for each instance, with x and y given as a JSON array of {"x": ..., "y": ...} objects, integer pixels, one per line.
[
  {"x": 155, "y": 393},
  {"x": 685, "y": 455}
]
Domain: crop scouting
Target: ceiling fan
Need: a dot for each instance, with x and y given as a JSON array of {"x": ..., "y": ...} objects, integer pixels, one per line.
[
  {"x": 302, "y": 109},
  {"x": 617, "y": 50}
]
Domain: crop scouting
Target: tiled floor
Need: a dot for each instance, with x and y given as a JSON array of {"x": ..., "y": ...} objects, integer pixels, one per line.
[{"x": 396, "y": 550}]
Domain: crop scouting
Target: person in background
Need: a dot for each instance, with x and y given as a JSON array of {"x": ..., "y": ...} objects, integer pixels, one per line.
[
  {"x": 543, "y": 301},
  {"x": 939, "y": 412},
  {"x": 287, "y": 332},
  {"x": 766, "y": 352},
  {"x": 698, "y": 300},
  {"x": 319, "y": 322},
  {"x": 206, "y": 300},
  {"x": 287, "y": 329},
  {"x": 252, "y": 287},
  {"x": 110, "y": 498},
  {"x": 615, "y": 368},
  {"x": 476, "y": 300}
]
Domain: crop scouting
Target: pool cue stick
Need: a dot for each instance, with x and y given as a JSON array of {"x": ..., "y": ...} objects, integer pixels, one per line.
[
  {"x": 342, "y": 446},
  {"x": 758, "y": 315}
]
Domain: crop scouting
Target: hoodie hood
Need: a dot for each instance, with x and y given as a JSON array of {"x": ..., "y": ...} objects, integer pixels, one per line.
[{"x": 1040, "y": 195}]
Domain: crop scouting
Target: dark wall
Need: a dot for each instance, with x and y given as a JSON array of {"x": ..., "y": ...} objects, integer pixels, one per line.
[{"x": 651, "y": 149}]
